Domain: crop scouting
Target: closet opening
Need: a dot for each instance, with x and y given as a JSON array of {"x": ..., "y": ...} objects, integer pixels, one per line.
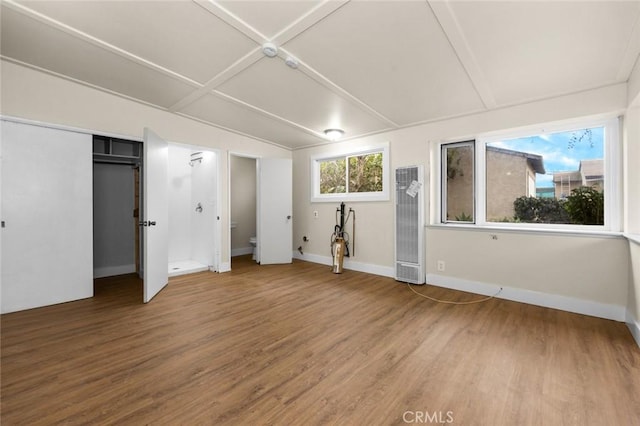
[{"x": 116, "y": 206}]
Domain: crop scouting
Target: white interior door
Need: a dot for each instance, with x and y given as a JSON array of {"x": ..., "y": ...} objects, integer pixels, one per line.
[
  {"x": 155, "y": 222},
  {"x": 47, "y": 204},
  {"x": 274, "y": 211}
]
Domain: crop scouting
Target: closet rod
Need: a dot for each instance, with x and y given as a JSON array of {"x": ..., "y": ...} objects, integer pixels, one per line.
[{"x": 117, "y": 163}]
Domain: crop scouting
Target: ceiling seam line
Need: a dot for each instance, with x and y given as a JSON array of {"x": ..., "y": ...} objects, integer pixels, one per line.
[{"x": 81, "y": 35}]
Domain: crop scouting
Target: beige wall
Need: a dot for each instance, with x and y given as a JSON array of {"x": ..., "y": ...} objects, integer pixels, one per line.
[
  {"x": 243, "y": 200},
  {"x": 632, "y": 194},
  {"x": 38, "y": 96},
  {"x": 602, "y": 280}
]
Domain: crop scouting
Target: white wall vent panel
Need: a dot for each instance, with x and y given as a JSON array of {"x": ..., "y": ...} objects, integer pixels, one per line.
[{"x": 409, "y": 225}]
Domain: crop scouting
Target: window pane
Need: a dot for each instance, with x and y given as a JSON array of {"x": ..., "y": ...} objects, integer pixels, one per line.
[
  {"x": 365, "y": 173},
  {"x": 333, "y": 176},
  {"x": 458, "y": 177},
  {"x": 551, "y": 178}
]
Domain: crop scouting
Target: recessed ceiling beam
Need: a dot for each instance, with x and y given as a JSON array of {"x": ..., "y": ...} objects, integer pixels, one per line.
[
  {"x": 458, "y": 41},
  {"x": 631, "y": 54},
  {"x": 97, "y": 42}
]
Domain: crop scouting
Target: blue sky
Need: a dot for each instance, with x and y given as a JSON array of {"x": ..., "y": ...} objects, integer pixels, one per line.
[{"x": 555, "y": 150}]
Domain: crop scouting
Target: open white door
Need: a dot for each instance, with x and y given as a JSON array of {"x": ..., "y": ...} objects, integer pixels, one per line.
[
  {"x": 155, "y": 223},
  {"x": 274, "y": 211}
]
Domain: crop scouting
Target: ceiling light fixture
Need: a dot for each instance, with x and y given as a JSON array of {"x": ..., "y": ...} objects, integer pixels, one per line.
[
  {"x": 291, "y": 62},
  {"x": 334, "y": 134},
  {"x": 270, "y": 50}
]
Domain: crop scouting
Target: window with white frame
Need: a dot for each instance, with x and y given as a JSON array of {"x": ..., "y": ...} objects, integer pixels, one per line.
[
  {"x": 356, "y": 175},
  {"x": 458, "y": 182},
  {"x": 565, "y": 176}
]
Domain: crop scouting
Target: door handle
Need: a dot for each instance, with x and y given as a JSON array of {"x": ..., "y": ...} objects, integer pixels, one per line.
[
  {"x": 288, "y": 217},
  {"x": 147, "y": 223},
  {"x": 152, "y": 223},
  {"x": 142, "y": 223}
]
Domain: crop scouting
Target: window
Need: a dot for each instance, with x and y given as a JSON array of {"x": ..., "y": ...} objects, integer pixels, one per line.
[
  {"x": 361, "y": 175},
  {"x": 563, "y": 176},
  {"x": 458, "y": 200}
]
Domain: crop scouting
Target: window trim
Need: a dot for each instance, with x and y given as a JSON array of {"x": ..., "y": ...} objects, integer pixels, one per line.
[
  {"x": 612, "y": 173},
  {"x": 314, "y": 167}
]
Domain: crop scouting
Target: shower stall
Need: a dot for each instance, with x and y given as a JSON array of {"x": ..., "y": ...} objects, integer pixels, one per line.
[{"x": 192, "y": 174}]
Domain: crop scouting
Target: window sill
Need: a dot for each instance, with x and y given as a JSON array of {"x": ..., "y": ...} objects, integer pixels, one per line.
[{"x": 532, "y": 231}]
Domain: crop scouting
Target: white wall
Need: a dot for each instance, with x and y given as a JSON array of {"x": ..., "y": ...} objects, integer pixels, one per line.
[
  {"x": 632, "y": 198},
  {"x": 113, "y": 221},
  {"x": 191, "y": 233},
  {"x": 203, "y": 222},
  {"x": 180, "y": 187},
  {"x": 243, "y": 202},
  {"x": 604, "y": 281},
  {"x": 34, "y": 95}
]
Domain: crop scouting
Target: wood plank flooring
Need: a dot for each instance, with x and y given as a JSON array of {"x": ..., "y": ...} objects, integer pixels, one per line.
[{"x": 298, "y": 345}]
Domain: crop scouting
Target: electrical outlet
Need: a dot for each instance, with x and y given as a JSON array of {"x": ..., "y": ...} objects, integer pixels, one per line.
[
  {"x": 441, "y": 265},
  {"x": 315, "y": 214}
]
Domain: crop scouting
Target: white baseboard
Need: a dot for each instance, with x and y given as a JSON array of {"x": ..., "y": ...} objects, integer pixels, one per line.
[
  {"x": 385, "y": 271},
  {"x": 547, "y": 300},
  {"x": 241, "y": 251},
  {"x": 110, "y": 271},
  {"x": 224, "y": 267},
  {"x": 634, "y": 326}
]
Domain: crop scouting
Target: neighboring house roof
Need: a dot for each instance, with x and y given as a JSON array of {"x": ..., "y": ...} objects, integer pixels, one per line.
[{"x": 536, "y": 161}]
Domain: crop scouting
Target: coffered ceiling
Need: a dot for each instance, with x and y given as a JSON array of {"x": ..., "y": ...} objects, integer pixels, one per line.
[{"x": 363, "y": 66}]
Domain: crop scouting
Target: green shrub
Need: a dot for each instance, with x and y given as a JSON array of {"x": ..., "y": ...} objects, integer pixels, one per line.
[
  {"x": 540, "y": 210},
  {"x": 585, "y": 206}
]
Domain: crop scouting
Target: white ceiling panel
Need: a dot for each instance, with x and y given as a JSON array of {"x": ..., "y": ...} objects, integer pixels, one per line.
[
  {"x": 222, "y": 112},
  {"x": 531, "y": 50},
  {"x": 393, "y": 56},
  {"x": 289, "y": 93},
  {"x": 365, "y": 66},
  {"x": 271, "y": 20},
  {"x": 178, "y": 35},
  {"x": 30, "y": 41}
]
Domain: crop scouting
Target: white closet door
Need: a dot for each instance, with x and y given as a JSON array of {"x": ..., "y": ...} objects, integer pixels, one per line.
[
  {"x": 47, "y": 209},
  {"x": 156, "y": 214},
  {"x": 275, "y": 235}
]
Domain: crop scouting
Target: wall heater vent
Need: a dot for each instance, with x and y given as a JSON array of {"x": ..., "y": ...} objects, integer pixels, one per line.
[{"x": 409, "y": 239}]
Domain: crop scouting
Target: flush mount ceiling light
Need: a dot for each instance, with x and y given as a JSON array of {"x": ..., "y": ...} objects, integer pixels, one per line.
[
  {"x": 334, "y": 134},
  {"x": 270, "y": 50},
  {"x": 291, "y": 62}
]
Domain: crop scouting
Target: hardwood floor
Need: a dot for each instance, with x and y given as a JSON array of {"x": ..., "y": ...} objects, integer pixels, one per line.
[{"x": 298, "y": 345}]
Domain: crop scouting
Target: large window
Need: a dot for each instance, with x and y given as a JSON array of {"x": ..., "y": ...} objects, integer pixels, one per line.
[
  {"x": 355, "y": 175},
  {"x": 565, "y": 176}
]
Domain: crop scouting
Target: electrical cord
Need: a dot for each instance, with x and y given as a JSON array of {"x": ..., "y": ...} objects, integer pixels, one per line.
[{"x": 455, "y": 303}]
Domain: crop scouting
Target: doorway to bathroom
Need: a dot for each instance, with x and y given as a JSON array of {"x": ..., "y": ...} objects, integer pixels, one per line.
[{"x": 242, "y": 206}]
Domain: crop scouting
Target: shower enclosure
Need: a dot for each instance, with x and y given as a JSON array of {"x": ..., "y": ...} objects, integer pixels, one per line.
[{"x": 192, "y": 209}]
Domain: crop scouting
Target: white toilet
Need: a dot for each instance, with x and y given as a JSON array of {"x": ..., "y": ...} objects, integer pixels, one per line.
[{"x": 253, "y": 242}]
